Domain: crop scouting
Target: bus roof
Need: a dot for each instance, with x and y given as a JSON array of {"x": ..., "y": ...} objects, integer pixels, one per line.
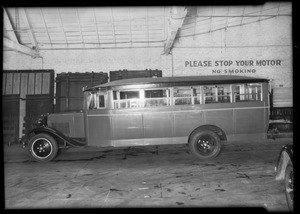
[{"x": 151, "y": 82}]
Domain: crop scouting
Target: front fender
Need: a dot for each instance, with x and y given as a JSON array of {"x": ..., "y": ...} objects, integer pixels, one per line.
[{"x": 62, "y": 140}]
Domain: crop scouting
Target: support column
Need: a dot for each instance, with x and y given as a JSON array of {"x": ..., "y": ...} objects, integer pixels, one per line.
[{"x": 22, "y": 110}]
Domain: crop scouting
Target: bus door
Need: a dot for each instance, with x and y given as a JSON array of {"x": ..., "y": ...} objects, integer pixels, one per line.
[
  {"x": 142, "y": 117},
  {"x": 250, "y": 110},
  {"x": 158, "y": 117},
  {"x": 97, "y": 119},
  {"x": 126, "y": 118}
]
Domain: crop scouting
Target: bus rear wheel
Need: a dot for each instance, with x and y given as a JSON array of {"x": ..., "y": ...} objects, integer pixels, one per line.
[
  {"x": 43, "y": 147},
  {"x": 205, "y": 144}
]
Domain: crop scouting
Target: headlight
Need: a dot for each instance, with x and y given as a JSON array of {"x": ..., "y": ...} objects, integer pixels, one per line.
[{"x": 42, "y": 121}]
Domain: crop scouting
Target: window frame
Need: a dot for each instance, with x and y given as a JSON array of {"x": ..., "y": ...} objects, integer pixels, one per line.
[
  {"x": 96, "y": 98},
  {"x": 191, "y": 97},
  {"x": 246, "y": 88},
  {"x": 216, "y": 95},
  {"x": 171, "y": 99},
  {"x": 117, "y": 103},
  {"x": 167, "y": 98}
]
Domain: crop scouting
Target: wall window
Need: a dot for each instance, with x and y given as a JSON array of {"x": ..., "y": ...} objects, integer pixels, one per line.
[
  {"x": 247, "y": 92},
  {"x": 159, "y": 97},
  {"x": 182, "y": 95},
  {"x": 96, "y": 100}
]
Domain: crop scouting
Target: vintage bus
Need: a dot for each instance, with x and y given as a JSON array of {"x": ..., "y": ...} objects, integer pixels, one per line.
[{"x": 201, "y": 111}]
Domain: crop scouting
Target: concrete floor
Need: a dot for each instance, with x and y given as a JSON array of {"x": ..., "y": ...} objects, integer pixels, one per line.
[{"x": 241, "y": 176}]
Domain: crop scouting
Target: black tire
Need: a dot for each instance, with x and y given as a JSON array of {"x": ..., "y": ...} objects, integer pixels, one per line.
[
  {"x": 43, "y": 147},
  {"x": 289, "y": 185},
  {"x": 205, "y": 144}
]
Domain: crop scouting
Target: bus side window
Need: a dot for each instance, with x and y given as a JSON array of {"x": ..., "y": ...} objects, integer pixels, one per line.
[
  {"x": 224, "y": 93},
  {"x": 182, "y": 96},
  {"x": 247, "y": 92},
  {"x": 196, "y": 95},
  {"x": 237, "y": 91},
  {"x": 101, "y": 101},
  {"x": 217, "y": 94},
  {"x": 126, "y": 99},
  {"x": 210, "y": 94},
  {"x": 158, "y": 97}
]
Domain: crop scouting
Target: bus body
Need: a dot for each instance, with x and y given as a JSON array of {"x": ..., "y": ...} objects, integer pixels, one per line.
[{"x": 167, "y": 110}]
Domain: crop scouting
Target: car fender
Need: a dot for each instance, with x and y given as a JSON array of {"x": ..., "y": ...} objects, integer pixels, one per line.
[{"x": 63, "y": 140}]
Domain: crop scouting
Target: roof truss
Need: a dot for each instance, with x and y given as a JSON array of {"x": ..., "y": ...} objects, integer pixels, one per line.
[
  {"x": 20, "y": 48},
  {"x": 176, "y": 19},
  {"x": 28, "y": 27},
  {"x": 13, "y": 42},
  {"x": 9, "y": 27}
]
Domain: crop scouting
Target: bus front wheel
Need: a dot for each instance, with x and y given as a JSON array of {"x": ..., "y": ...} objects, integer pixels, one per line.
[
  {"x": 205, "y": 144},
  {"x": 43, "y": 147}
]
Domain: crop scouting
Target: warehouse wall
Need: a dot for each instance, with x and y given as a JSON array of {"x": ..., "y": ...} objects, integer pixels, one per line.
[
  {"x": 262, "y": 49},
  {"x": 258, "y": 42}
]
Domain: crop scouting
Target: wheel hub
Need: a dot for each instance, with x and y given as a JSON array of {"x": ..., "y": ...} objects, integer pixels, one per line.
[
  {"x": 42, "y": 148},
  {"x": 206, "y": 144}
]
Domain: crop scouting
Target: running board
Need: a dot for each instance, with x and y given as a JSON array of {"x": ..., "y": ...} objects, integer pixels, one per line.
[{"x": 76, "y": 143}]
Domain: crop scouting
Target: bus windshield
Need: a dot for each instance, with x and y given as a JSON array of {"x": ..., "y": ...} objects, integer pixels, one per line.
[{"x": 95, "y": 100}]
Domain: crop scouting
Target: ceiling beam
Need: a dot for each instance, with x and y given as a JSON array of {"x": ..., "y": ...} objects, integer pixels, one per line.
[
  {"x": 176, "y": 18},
  {"x": 261, "y": 11},
  {"x": 31, "y": 35},
  {"x": 96, "y": 25},
  {"x": 80, "y": 28},
  {"x": 46, "y": 28},
  {"x": 113, "y": 25},
  {"x": 147, "y": 24},
  {"x": 20, "y": 48},
  {"x": 9, "y": 28},
  {"x": 278, "y": 9},
  {"x": 195, "y": 28},
  {"x": 243, "y": 15},
  {"x": 130, "y": 25},
  {"x": 13, "y": 42},
  {"x": 211, "y": 19},
  {"x": 226, "y": 25}
]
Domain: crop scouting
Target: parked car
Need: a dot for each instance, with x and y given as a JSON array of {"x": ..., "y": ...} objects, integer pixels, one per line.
[{"x": 284, "y": 171}]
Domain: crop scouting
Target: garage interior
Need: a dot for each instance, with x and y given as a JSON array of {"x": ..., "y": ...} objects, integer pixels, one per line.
[{"x": 51, "y": 54}]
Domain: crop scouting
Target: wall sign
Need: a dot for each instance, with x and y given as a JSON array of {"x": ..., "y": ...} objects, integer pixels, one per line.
[{"x": 232, "y": 66}]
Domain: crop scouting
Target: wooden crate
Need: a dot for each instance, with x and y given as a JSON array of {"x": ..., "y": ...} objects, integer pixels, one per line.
[
  {"x": 69, "y": 89},
  {"x": 129, "y": 74}
]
